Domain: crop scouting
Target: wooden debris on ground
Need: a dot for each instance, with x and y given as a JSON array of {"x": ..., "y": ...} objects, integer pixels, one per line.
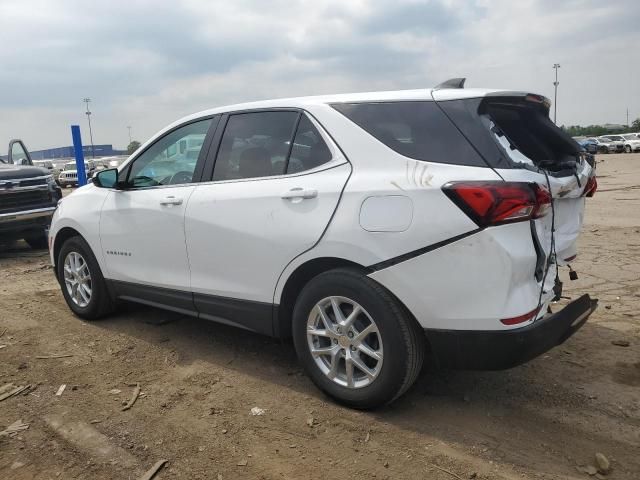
[
  {"x": 134, "y": 397},
  {"x": 149, "y": 474},
  {"x": 9, "y": 390},
  {"x": 45, "y": 357}
]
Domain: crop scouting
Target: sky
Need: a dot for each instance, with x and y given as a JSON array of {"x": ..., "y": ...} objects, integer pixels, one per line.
[{"x": 145, "y": 64}]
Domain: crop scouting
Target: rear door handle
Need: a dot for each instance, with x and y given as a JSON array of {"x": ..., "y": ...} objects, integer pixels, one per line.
[
  {"x": 171, "y": 200},
  {"x": 302, "y": 193}
]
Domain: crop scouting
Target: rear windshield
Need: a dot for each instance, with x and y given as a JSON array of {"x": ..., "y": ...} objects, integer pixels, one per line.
[
  {"x": 512, "y": 132},
  {"x": 418, "y": 130}
]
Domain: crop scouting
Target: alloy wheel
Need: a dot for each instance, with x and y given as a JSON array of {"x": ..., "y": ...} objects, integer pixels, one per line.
[
  {"x": 345, "y": 342},
  {"x": 77, "y": 279}
]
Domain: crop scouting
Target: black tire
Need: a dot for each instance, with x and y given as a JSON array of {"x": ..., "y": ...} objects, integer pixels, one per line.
[
  {"x": 627, "y": 149},
  {"x": 39, "y": 241},
  {"x": 403, "y": 340},
  {"x": 100, "y": 302}
]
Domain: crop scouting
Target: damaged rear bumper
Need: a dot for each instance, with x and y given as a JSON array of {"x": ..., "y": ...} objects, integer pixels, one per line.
[{"x": 501, "y": 349}]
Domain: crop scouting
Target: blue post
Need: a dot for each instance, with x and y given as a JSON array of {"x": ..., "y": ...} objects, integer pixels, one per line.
[{"x": 77, "y": 148}]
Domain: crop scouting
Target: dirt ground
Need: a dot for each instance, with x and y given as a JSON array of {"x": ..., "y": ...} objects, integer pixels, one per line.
[{"x": 199, "y": 382}]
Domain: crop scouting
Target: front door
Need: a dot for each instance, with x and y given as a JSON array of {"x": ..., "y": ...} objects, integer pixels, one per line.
[
  {"x": 142, "y": 223},
  {"x": 276, "y": 183}
]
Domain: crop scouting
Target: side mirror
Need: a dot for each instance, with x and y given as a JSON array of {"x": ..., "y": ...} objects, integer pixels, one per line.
[{"x": 106, "y": 178}]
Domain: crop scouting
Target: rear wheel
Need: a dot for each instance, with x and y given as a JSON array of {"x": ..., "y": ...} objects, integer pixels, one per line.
[
  {"x": 39, "y": 241},
  {"x": 355, "y": 340},
  {"x": 83, "y": 286}
]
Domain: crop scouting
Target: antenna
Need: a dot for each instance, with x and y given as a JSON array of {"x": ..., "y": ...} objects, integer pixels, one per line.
[{"x": 451, "y": 83}]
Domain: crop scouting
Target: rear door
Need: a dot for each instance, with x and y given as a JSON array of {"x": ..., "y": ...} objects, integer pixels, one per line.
[{"x": 276, "y": 182}]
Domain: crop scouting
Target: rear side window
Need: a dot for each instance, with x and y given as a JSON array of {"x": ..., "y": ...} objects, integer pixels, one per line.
[
  {"x": 418, "y": 130},
  {"x": 265, "y": 144},
  {"x": 255, "y": 145}
]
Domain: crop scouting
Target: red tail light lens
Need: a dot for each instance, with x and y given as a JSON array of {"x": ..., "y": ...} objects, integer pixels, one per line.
[
  {"x": 591, "y": 187},
  {"x": 521, "y": 318},
  {"x": 494, "y": 203}
]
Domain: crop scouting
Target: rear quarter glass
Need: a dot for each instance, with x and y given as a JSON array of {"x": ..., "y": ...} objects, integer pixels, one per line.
[{"x": 414, "y": 129}]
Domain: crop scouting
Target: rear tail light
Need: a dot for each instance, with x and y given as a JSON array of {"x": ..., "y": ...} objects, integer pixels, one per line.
[
  {"x": 591, "y": 187},
  {"x": 494, "y": 203},
  {"x": 522, "y": 318}
]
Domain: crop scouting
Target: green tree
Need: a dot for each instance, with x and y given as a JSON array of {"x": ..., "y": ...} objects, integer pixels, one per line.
[
  {"x": 133, "y": 146},
  {"x": 635, "y": 126}
]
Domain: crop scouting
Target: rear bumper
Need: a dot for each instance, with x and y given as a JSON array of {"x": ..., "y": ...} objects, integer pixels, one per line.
[{"x": 502, "y": 349}]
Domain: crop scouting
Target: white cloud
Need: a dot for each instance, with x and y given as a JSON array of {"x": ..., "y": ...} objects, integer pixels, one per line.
[{"x": 146, "y": 63}]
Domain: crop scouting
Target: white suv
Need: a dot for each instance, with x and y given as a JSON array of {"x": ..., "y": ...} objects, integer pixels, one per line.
[
  {"x": 374, "y": 228},
  {"x": 631, "y": 142}
]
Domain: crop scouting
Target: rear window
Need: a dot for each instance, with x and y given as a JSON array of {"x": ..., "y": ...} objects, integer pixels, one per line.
[
  {"x": 418, "y": 130},
  {"x": 511, "y": 132}
]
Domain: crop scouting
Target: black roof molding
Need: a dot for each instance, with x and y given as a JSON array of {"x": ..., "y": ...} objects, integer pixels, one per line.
[{"x": 451, "y": 83}]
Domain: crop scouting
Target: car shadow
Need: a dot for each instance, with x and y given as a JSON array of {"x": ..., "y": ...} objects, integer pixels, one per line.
[
  {"x": 20, "y": 249},
  {"x": 531, "y": 412}
]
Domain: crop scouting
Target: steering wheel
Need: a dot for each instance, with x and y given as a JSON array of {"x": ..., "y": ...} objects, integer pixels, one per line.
[{"x": 180, "y": 177}]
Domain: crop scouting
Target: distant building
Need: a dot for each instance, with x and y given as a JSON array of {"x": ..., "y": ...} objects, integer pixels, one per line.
[
  {"x": 68, "y": 152},
  {"x": 613, "y": 127}
]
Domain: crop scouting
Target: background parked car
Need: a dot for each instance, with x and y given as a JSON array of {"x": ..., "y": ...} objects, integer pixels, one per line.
[
  {"x": 28, "y": 198},
  {"x": 604, "y": 145},
  {"x": 589, "y": 144},
  {"x": 617, "y": 141},
  {"x": 69, "y": 176},
  {"x": 631, "y": 142},
  {"x": 48, "y": 164}
]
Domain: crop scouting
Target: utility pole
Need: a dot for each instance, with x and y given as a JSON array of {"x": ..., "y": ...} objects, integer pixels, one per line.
[
  {"x": 556, "y": 66},
  {"x": 129, "y": 128},
  {"x": 88, "y": 112},
  {"x": 627, "y": 117}
]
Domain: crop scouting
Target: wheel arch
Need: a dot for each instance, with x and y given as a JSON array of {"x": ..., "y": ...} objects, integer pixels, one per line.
[
  {"x": 62, "y": 236},
  {"x": 296, "y": 282}
]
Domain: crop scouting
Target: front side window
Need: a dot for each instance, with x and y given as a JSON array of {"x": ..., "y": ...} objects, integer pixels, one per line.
[
  {"x": 172, "y": 159},
  {"x": 265, "y": 144}
]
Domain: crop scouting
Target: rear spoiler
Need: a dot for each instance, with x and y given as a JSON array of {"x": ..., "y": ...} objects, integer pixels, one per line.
[{"x": 458, "y": 83}]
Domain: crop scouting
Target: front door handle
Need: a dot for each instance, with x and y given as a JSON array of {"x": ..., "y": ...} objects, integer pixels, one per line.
[
  {"x": 171, "y": 200},
  {"x": 301, "y": 193}
]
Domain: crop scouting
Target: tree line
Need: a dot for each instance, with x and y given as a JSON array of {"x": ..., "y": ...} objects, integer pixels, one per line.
[{"x": 597, "y": 130}]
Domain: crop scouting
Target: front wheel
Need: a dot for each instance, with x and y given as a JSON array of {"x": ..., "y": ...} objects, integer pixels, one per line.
[
  {"x": 355, "y": 340},
  {"x": 83, "y": 286},
  {"x": 627, "y": 149}
]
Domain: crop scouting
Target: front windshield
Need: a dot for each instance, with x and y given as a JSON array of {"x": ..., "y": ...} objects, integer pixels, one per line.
[
  {"x": 631, "y": 137},
  {"x": 605, "y": 140}
]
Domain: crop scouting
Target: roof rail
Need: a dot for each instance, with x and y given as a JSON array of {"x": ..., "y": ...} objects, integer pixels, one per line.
[{"x": 451, "y": 83}]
